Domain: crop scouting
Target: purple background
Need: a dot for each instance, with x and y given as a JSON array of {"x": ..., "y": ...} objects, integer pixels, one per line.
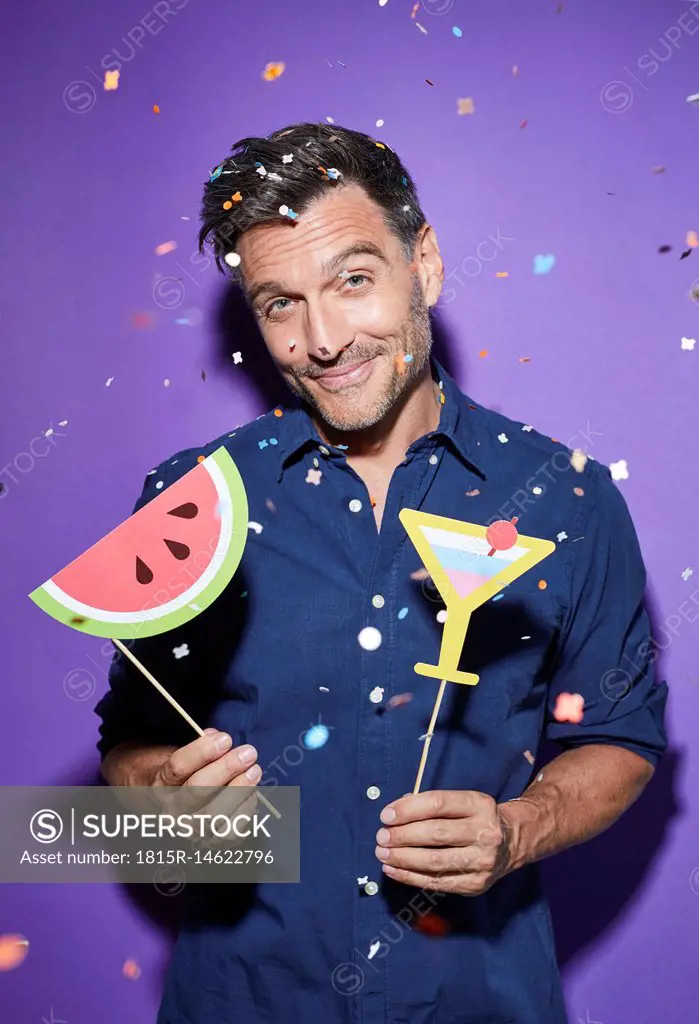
[{"x": 95, "y": 180}]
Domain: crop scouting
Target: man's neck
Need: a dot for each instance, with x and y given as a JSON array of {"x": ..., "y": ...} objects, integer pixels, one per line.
[{"x": 415, "y": 414}]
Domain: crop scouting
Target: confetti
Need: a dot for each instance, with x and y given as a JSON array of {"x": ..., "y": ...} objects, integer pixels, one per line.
[
  {"x": 503, "y": 438},
  {"x": 692, "y": 240},
  {"x": 569, "y": 707},
  {"x": 363, "y": 880},
  {"x": 399, "y": 700},
  {"x": 525, "y": 359},
  {"x": 515, "y": 70},
  {"x": 142, "y": 320},
  {"x": 686, "y": 573},
  {"x": 542, "y": 584},
  {"x": 278, "y": 413},
  {"x": 441, "y": 615},
  {"x": 688, "y": 344},
  {"x": 539, "y": 776},
  {"x": 498, "y": 597},
  {"x": 236, "y": 197},
  {"x": 420, "y": 574},
  {"x": 543, "y": 264},
  {"x": 382, "y": 3},
  {"x": 316, "y": 737},
  {"x": 525, "y": 638},
  {"x": 324, "y": 689},
  {"x": 523, "y": 124},
  {"x": 376, "y": 695},
  {"x": 578, "y": 460},
  {"x": 561, "y": 536},
  {"x": 379, "y": 123},
  {"x": 13, "y": 951},
  {"x": 166, "y": 383},
  {"x": 659, "y": 169},
  {"x": 180, "y": 652},
  {"x": 156, "y": 108},
  {"x": 686, "y": 254},
  {"x": 313, "y": 476},
  {"x": 465, "y": 106},
  {"x": 262, "y": 444},
  {"x": 483, "y": 353},
  {"x": 457, "y": 31},
  {"x": 369, "y": 638},
  {"x": 273, "y": 70},
  {"x": 237, "y": 357},
  {"x": 619, "y": 470},
  {"x": 502, "y": 273},
  {"x": 402, "y": 613},
  {"x": 111, "y": 81},
  {"x": 473, "y": 493},
  {"x": 537, "y": 490},
  {"x": 664, "y": 248},
  {"x": 428, "y": 82},
  {"x": 165, "y": 247},
  {"x": 423, "y": 30},
  {"x": 131, "y": 970},
  {"x": 159, "y": 484},
  {"x": 694, "y": 98},
  {"x": 108, "y": 382},
  {"x": 431, "y": 924},
  {"x": 63, "y": 423},
  {"x": 529, "y": 756},
  {"x": 527, "y": 426},
  {"x": 232, "y": 259}
]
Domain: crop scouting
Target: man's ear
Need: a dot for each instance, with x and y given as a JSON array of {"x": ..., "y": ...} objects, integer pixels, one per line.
[{"x": 428, "y": 264}]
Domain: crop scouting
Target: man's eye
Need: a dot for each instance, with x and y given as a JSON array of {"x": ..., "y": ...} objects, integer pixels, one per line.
[
  {"x": 355, "y": 277},
  {"x": 274, "y": 307}
]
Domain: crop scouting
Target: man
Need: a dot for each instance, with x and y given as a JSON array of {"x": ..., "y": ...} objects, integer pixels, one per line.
[{"x": 411, "y": 909}]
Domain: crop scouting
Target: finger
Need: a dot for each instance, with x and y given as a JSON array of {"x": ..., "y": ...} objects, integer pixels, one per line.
[
  {"x": 436, "y": 803},
  {"x": 433, "y": 832},
  {"x": 228, "y": 768},
  {"x": 186, "y": 760},
  {"x": 431, "y": 862},
  {"x": 446, "y": 883}
]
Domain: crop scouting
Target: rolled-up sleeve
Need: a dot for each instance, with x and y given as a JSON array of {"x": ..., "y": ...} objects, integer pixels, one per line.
[
  {"x": 606, "y": 651},
  {"x": 132, "y": 708}
]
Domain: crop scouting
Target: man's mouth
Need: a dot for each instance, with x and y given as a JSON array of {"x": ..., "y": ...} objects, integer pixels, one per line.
[{"x": 346, "y": 375}]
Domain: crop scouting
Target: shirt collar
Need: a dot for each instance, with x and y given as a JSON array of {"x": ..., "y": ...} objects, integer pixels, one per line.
[{"x": 460, "y": 423}]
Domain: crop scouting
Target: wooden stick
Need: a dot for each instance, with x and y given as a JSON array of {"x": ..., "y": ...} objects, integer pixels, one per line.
[
  {"x": 178, "y": 708},
  {"x": 430, "y": 733}
]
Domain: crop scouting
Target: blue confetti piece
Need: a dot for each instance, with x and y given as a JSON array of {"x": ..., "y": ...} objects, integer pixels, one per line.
[
  {"x": 343, "y": 447},
  {"x": 273, "y": 440},
  {"x": 261, "y": 445},
  {"x": 292, "y": 215},
  {"x": 215, "y": 174},
  {"x": 404, "y": 180},
  {"x": 407, "y": 359},
  {"x": 402, "y": 613},
  {"x": 182, "y": 320},
  {"x": 316, "y": 737},
  {"x": 498, "y": 597},
  {"x": 457, "y": 31}
]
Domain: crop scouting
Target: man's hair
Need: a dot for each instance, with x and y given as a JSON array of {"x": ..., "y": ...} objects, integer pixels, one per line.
[{"x": 318, "y": 151}]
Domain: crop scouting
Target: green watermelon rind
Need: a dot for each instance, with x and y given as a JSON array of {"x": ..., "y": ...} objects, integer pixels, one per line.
[{"x": 234, "y": 504}]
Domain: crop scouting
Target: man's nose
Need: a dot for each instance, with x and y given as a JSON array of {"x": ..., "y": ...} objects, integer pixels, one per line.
[{"x": 326, "y": 336}]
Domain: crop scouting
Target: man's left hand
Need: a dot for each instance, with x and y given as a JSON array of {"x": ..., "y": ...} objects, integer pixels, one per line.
[{"x": 454, "y": 841}]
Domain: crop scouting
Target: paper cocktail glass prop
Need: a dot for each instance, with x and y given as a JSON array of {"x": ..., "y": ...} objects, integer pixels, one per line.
[
  {"x": 161, "y": 567},
  {"x": 468, "y": 564}
]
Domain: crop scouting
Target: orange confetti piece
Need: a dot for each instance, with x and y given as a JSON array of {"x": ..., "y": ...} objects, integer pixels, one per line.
[
  {"x": 278, "y": 412},
  {"x": 200, "y": 458},
  {"x": 416, "y": 8},
  {"x": 273, "y": 70},
  {"x": 131, "y": 970},
  {"x": 465, "y": 106},
  {"x": 578, "y": 491},
  {"x": 483, "y": 353},
  {"x": 373, "y": 501},
  {"x": 165, "y": 247},
  {"x": 502, "y": 273},
  {"x": 473, "y": 493},
  {"x": 142, "y": 320},
  {"x": 228, "y": 205},
  {"x": 420, "y": 574},
  {"x": 542, "y": 584},
  {"x": 569, "y": 707},
  {"x": 524, "y": 359},
  {"x": 236, "y": 197},
  {"x": 400, "y": 365},
  {"x": 692, "y": 240},
  {"x": 111, "y": 81},
  {"x": 156, "y": 108},
  {"x": 380, "y": 145},
  {"x": 442, "y": 398},
  {"x": 13, "y": 951}
]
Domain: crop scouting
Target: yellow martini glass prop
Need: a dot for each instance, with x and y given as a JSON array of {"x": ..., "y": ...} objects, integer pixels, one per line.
[{"x": 468, "y": 564}]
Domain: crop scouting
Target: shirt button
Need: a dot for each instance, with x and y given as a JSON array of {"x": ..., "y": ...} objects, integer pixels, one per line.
[
  {"x": 373, "y": 792},
  {"x": 376, "y": 695},
  {"x": 355, "y": 505},
  {"x": 378, "y": 601},
  {"x": 323, "y": 450},
  {"x": 371, "y": 888},
  {"x": 433, "y": 460}
]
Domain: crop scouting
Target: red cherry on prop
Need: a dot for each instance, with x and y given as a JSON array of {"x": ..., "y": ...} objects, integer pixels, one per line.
[{"x": 502, "y": 535}]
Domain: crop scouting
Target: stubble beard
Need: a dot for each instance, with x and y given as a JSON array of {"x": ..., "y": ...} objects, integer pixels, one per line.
[{"x": 413, "y": 338}]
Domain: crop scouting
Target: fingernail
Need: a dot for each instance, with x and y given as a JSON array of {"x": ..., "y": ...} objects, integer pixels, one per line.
[
  {"x": 387, "y": 869},
  {"x": 223, "y": 742},
  {"x": 253, "y": 773},
  {"x": 387, "y": 815},
  {"x": 381, "y": 853},
  {"x": 210, "y": 731},
  {"x": 383, "y": 836},
  {"x": 247, "y": 754}
]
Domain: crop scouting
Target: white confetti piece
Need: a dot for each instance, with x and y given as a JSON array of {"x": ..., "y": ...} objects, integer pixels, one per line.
[
  {"x": 694, "y": 98},
  {"x": 373, "y": 949},
  {"x": 442, "y": 615},
  {"x": 539, "y": 776},
  {"x": 159, "y": 485},
  {"x": 324, "y": 689},
  {"x": 287, "y": 158},
  {"x": 423, "y": 30},
  {"x": 261, "y": 171},
  {"x": 537, "y": 490},
  {"x": 330, "y": 120},
  {"x": 237, "y": 358},
  {"x": 619, "y": 470},
  {"x": 108, "y": 382},
  {"x": 688, "y": 344},
  {"x": 166, "y": 383},
  {"x": 181, "y": 652},
  {"x": 232, "y": 259},
  {"x": 525, "y": 638},
  {"x": 503, "y": 438},
  {"x": 255, "y": 526},
  {"x": 313, "y": 476},
  {"x": 63, "y": 423},
  {"x": 578, "y": 460},
  {"x": 47, "y": 433},
  {"x": 527, "y": 426},
  {"x": 379, "y": 123},
  {"x": 686, "y": 573},
  {"x": 363, "y": 880},
  {"x": 369, "y": 638},
  {"x": 561, "y": 536}
]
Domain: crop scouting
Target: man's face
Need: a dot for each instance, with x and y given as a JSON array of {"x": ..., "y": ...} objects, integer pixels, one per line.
[{"x": 322, "y": 307}]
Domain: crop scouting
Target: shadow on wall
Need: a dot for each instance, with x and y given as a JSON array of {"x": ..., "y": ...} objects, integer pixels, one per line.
[{"x": 588, "y": 886}]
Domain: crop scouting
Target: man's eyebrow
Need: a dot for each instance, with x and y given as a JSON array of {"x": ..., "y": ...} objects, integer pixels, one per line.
[{"x": 327, "y": 267}]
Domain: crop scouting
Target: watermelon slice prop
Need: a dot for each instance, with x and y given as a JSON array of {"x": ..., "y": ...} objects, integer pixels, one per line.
[{"x": 161, "y": 567}]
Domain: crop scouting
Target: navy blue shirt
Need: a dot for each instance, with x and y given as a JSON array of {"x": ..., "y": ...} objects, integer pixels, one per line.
[{"x": 278, "y": 653}]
